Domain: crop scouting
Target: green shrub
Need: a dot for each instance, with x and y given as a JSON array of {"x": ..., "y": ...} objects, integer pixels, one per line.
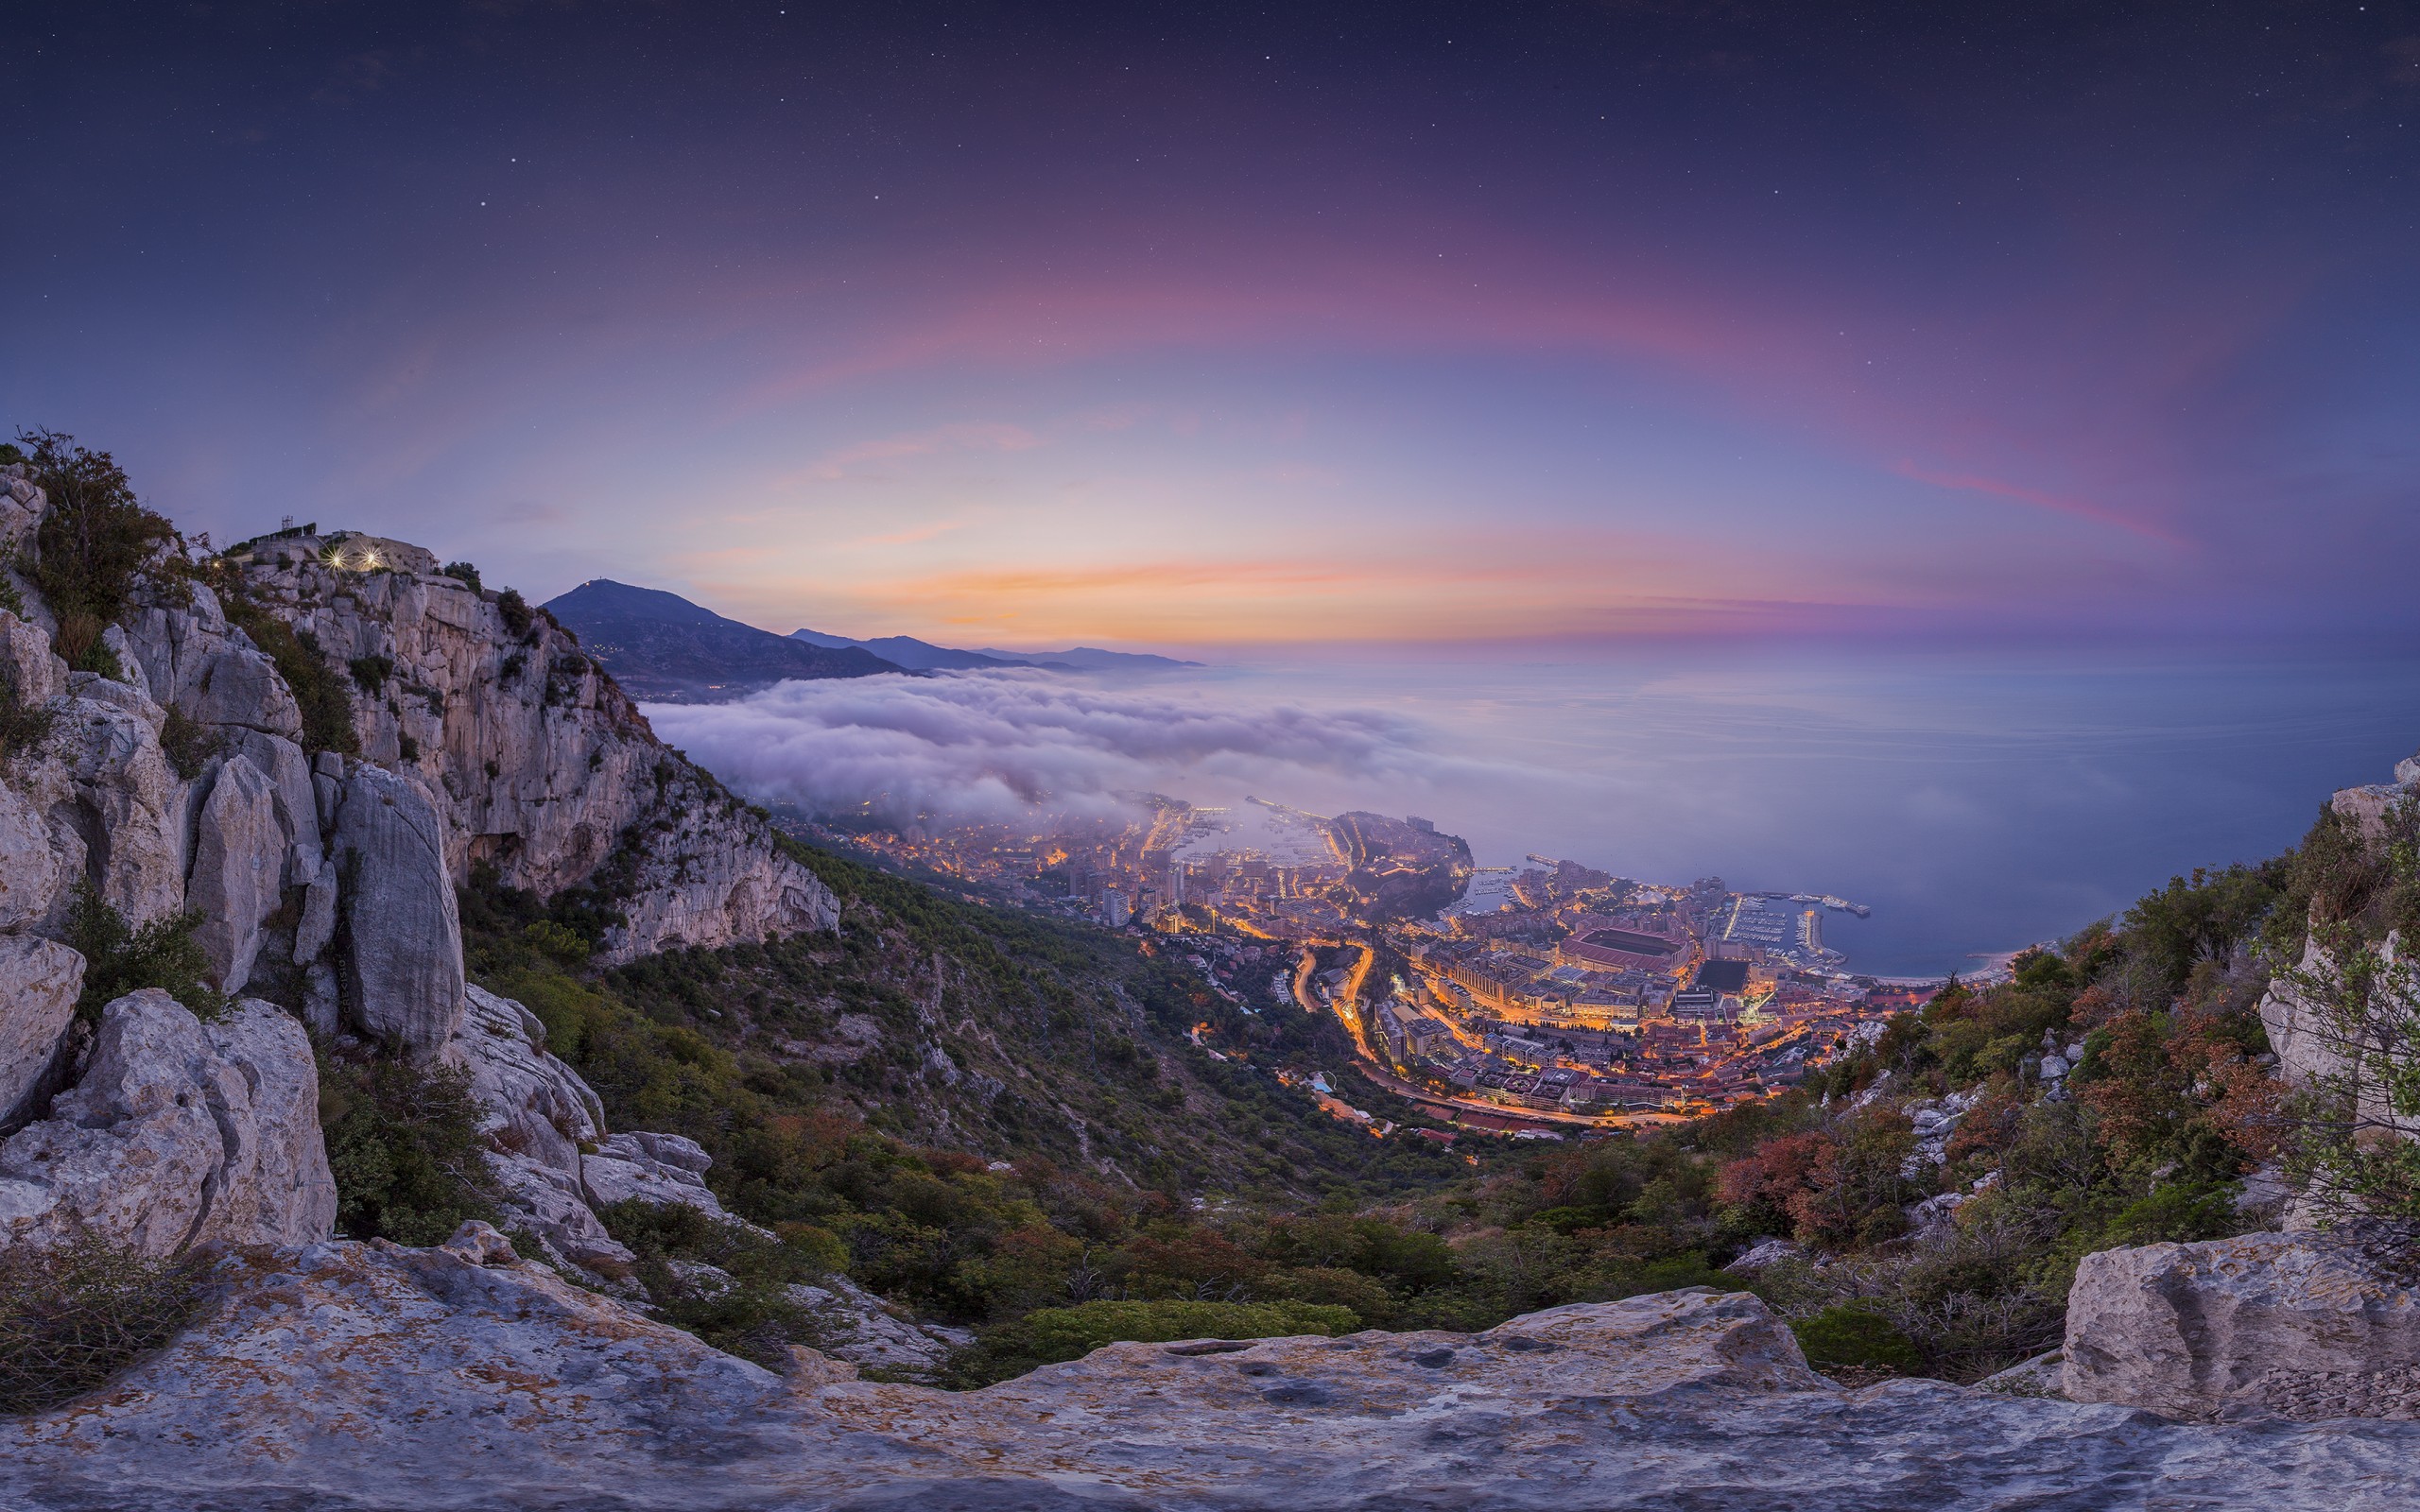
[
  {"x": 370, "y": 672},
  {"x": 23, "y": 726},
  {"x": 188, "y": 743},
  {"x": 79, "y": 643},
  {"x": 403, "y": 1144},
  {"x": 318, "y": 689},
  {"x": 1055, "y": 1333},
  {"x": 515, "y": 610},
  {"x": 96, "y": 539},
  {"x": 119, "y": 958},
  {"x": 74, "y": 1317},
  {"x": 750, "y": 1313},
  {"x": 1848, "y": 1336},
  {"x": 461, "y": 572}
]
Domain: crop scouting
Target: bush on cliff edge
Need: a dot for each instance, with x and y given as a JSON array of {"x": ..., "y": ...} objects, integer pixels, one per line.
[{"x": 74, "y": 1317}]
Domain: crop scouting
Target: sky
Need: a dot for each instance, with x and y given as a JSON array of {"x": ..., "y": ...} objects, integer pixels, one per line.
[{"x": 1225, "y": 327}]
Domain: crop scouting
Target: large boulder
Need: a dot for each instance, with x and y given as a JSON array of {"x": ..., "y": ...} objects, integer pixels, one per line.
[
  {"x": 2263, "y": 1323},
  {"x": 403, "y": 967},
  {"x": 38, "y": 983},
  {"x": 180, "y": 1133},
  {"x": 536, "y": 1115},
  {"x": 238, "y": 860},
  {"x": 659, "y": 1169}
]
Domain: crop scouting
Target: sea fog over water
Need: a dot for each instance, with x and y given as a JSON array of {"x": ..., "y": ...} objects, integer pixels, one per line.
[{"x": 1975, "y": 801}]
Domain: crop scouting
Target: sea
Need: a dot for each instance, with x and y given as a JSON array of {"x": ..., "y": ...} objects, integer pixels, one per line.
[{"x": 1975, "y": 802}]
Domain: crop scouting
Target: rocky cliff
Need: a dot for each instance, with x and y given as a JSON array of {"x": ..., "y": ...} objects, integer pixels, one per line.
[{"x": 299, "y": 749}]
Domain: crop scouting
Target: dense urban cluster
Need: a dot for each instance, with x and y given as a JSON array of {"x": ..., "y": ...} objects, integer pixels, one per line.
[{"x": 1528, "y": 1001}]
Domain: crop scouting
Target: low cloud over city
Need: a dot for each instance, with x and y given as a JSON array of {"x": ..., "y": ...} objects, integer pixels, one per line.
[{"x": 995, "y": 745}]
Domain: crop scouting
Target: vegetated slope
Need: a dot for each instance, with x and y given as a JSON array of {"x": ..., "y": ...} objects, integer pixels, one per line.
[
  {"x": 660, "y": 645},
  {"x": 868, "y": 1083},
  {"x": 1951, "y": 1177}
]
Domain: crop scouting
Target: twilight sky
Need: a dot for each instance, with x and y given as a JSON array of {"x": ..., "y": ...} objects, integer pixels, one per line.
[{"x": 1204, "y": 326}]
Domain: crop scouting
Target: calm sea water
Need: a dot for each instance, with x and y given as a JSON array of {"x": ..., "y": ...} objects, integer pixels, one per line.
[{"x": 1978, "y": 803}]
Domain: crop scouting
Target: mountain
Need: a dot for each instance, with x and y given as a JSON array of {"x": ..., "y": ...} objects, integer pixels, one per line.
[
  {"x": 923, "y": 656},
  {"x": 659, "y": 646},
  {"x": 1093, "y": 659},
  {"x": 912, "y": 653}
]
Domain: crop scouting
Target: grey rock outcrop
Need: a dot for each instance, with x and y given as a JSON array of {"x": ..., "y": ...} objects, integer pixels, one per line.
[
  {"x": 365, "y": 1376},
  {"x": 547, "y": 771},
  {"x": 404, "y": 971},
  {"x": 662, "y": 1169},
  {"x": 297, "y": 804},
  {"x": 178, "y": 1133},
  {"x": 533, "y": 1104},
  {"x": 209, "y": 670},
  {"x": 27, "y": 663},
  {"x": 32, "y": 867},
  {"x": 853, "y": 1324},
  {"x": 238, "y": 860},
  {"x": 2246, "y": 1325},
  {"x": 536, "y": 1116},
  {"x": 123, "y": 816},
  {"x": 39, "y": 984}
]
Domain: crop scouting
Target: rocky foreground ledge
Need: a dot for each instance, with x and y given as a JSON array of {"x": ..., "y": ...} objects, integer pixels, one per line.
[{"x": 369, "y": 1376}]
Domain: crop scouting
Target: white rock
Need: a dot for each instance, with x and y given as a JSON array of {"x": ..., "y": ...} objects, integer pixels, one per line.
[
  {"x": 1766, "y": 1253},
  {"x": 404, "y": 970},
  {"x": 628, "y": 1167},
  {"x": 32, "y": 872},
  {"x": 239, "y": 857},
  {"x": 318, "y": 924},
  {"x": 39, "y": 984},
  {"x": 178, "y": 1133},
  {"x": 853, "y": 1324},
  {"x": 210, "y": 670},
  {"x": 128, "y": 810},
  {"x": 2232, "y": 1325},
  {"x": 27, "y": 663},
  {"x": 297, "y": 813},
  {"x": 533, "y": 1104}
]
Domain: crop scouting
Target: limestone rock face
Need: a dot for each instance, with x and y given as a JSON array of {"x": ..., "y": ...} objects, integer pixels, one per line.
[
  {"x": 368, "y": 1377},
  {"x": 855, "y": 1325},
  {"x": 534, "y": 1105},
  {"x": 209, "y": 670},
  {"x": 178, "y": 1133},
  {"x": 405, "y": 968},
  {"x": 32, "y": 872},
  {"x": 663, "y": 1169},
  {"x": 708, "y": 884},
  {"x": 27, "y": 663},
  {"x": 547, "y": 771},
  {"x": 127, "y": 814},
  {"x": 38, "y": 983},
  {"x": 239, "y": 856},
  {"x": 297, "y": 806},
  {"x": 2237, "y": 1325}
]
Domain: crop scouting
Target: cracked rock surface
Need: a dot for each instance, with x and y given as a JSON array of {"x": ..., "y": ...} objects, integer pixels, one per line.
[{"x": 363, "y": 1377}]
